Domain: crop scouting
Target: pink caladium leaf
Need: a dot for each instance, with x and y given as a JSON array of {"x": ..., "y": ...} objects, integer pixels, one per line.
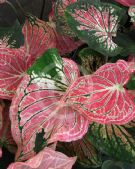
[
  {"x": 96, "y": 23},
  {"x": 102, "y": 97},
  {"x": 38, "y": 111},
  {"x": 126, "y": 2},
  {"x": 6, "y": 138},
  {"x": 40, "y": 36},
  {"x": 13, "y": 66},
  {"x": 46, "y": 159}
]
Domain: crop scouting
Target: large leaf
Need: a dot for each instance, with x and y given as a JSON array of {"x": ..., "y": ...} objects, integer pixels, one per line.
[
  {"x": 115, "y": 141},
  {"x": 96, "y": 23},
  {"x": 46, "y": 159},
  {"x": 13, "y": 66},
  {"x": 38, "y": 111},
  {"x": 102, "y": 97},
  {"x": 11, "y": 36},
  {"x": 86, "y": 153}
]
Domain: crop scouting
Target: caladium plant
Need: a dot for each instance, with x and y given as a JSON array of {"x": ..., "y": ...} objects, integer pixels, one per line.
[{"x": 88, "y": 114}]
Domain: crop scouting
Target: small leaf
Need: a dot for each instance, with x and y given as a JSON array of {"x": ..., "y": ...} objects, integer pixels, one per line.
[
  {"x": 90, "y": 61},
  {"x": 96, "y": 23},
  {"x": 131, "y": 12}
]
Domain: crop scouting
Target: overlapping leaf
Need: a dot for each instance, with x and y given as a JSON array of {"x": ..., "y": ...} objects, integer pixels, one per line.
[
  {"x": 96, "y": 23},
  {"x": 116, "y": 141},
  {"x": 86, "y": 153},
  {"x": 38, "y": 109},
  {"x": 46, "y": 159},
  {"x": 40, "y": 36},
  {"x": 102, "y": 96}
]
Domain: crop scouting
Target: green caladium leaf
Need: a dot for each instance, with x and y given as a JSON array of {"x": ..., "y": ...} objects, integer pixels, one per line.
[
  {"x": 96, "y": 24},
  {"x": 11, "y": 36},
  {"x": 86, "y": 153},
  {"x": 90, "y": 61},
  {"x": 116, "y": 141}
]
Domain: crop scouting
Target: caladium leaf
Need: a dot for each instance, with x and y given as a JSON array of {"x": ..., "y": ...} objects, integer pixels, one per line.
[
  {"x": 102, "y": 96},
  {"x": 96, "y": 24},
  {"x": 90, "y": 61},
  {"x": 46, "y": 159},
  {"x": 61, "y": 24},
  {"x": 126, "y": 2},
  {"x": 11, "y": 37},
  {"x": 86, "y": 153},
  {"x": 13, "y": 66},
  {"x": 40, "y": 36},
  {"x": 116, "y": 141},
  {"x": 6, "y": 139},
  {"x": 38, "y": 109}
]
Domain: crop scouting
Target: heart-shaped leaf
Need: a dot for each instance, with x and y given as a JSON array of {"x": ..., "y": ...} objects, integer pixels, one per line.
[
  {"x": 96, "y": 23},
  {"x": 38, "y": 110},
  {"x": 86, "y": 153},
  {"x": 102, "y": 96},
  {"x": 46, "y": 159},
  {"x": 115, "y": 141}
]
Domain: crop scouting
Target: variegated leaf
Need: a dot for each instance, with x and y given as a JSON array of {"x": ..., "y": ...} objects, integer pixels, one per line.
[
  {"x": 46, "y": 159},
  {"x": 38, "y": 111},
  {"x": 116, "y": 141},
  {"x": 96, "y": 23},
  {"x": 13, "y": 66},
  {"x": 40, "y": 36},
  {"x": 86, "y": 153},
  {"x": 102, "y": 97},
  {"x": 131, "y": 12},
  {"x": 90, "y": 61}
]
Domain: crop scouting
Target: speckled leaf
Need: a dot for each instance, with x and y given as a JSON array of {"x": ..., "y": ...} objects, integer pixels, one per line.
[
  {"x": 102, "y": 96},
  {"x": 131, "y": 12},
  {"x": 38, "y": 111},
  {"x": 96, "y": 24},
  {"x": 86, "y": 153},
  {"x": 46, "y": 159},
  {"x": 115, "y": 141},
  {"x": 90, "y": 61},
  {"x": 11, "y": 36}
]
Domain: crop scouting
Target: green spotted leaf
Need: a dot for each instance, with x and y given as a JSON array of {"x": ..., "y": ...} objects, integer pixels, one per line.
[
  {"x": 96, "y": 24},
  {"x": 90, "y": 61},
  {"x": 116, "y": 141}
]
